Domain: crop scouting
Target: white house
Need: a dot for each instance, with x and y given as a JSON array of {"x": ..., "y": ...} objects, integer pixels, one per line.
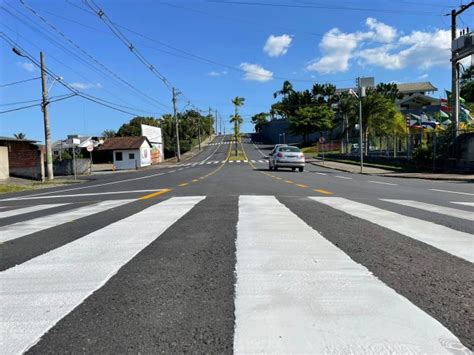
[{"x": 129, "y": 152}]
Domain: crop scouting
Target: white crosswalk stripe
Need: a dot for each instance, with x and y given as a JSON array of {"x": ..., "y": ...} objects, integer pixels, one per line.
[
  {"x": 20, "y": 229},
  {"x": 29, "y": 209},
  {"x": 446, "y": 239},
  {"x": 470, "y": 204},
  {"x": 298, "y": 293},
  {"x": 453, "y": 212},
  {"x": 33, "y": 294}
]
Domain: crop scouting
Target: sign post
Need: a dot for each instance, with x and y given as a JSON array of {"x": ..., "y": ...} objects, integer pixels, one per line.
[
  {"x": 322, "y": 140},
  {"x": 75, "y": 142},
  {"x": 90, "y": 148}
]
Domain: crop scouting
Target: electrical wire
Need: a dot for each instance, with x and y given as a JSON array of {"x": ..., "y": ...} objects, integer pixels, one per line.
[
  {"x": 34, "y": 105},
  {"x": 91, "y": 4},
  {"x": 89, "y": 56},
  {"x": 68, "y": 86},
  {"x": 19, "y": 82},
  {"x": 326, "y": 7}
]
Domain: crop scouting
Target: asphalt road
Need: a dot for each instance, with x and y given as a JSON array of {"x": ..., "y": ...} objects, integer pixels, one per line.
[{"x": 213, "y": 256}]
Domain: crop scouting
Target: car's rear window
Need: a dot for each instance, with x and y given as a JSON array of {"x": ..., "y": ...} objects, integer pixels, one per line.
[{"x": 288, "y": 149}]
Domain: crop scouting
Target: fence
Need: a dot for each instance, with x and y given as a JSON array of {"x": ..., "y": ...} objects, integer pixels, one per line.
[{"x": 434, "y": 149}]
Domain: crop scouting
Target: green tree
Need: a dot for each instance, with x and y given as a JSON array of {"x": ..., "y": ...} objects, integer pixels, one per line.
[
  {"x": 285, "y": 90},
  {"x": 311, "y": 119},
  {"x": 133, "y": 128},
  {"x": 19, "y": 135},
  {"x": 260, "y": 120},
  {"x": 109, "y": 133},
  {"x": 467, "y": 85},
  {"x": 347, "y": 114},
  {"x": 236, "y": 119}
]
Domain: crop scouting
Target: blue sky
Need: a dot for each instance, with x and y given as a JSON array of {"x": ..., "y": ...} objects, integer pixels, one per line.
[{"x": 247, "y": 48}]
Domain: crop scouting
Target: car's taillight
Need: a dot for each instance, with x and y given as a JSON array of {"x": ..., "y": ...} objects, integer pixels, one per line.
[{"x": 279, "y": 155}]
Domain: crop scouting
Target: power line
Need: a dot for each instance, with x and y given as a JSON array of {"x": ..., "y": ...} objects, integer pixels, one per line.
[
  {"x": 34, "y": 105},
  {"x": 64, "y": 83},
  {"x": 126, "y": 42},
  {"x": 84, "y": 52},
  {"x": 314, "y": 34},
  {"x": 326, "y": 7},
  {"x": 18, "y": 82}
]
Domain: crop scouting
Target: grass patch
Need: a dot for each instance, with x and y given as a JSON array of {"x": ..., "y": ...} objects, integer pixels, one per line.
[
  {"x": 240, "y": 155},
  {"x": 9, "y": 188}
]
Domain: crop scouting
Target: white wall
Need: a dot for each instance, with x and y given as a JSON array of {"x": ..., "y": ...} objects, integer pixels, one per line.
[
  {"x": 145, "y": 154},
  {"x": 127, "y": 162}
]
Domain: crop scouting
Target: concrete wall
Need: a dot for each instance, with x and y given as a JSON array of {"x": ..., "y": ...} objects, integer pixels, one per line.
[
  {"x": 26, "y": 163},
  {"x": 66, "y": 167},
  {"x": 4, "y": 166}
]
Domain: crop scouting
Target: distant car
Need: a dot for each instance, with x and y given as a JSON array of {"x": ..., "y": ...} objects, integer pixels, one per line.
[{"x": 284, "y": 156}]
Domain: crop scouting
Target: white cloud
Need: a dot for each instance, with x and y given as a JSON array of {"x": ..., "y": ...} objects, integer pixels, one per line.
[
  {"x": 419, "y": 49},
  {"x": 256, "y": 72},
  {"x": 85, "y": 86},
  {"x": 337, "y": 48},
  {"x": 30, "y": 67},
  {"x": 382, "y": 32},
  {"x": 423, "y": 76},
  {"x": 276, "y": 46},
  {"x": 217, "y": 73}
]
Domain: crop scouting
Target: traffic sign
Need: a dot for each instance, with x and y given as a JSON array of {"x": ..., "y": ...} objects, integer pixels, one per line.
[
  {"x": 322, "y": 140},
  {"x": 90, "y": 148}
]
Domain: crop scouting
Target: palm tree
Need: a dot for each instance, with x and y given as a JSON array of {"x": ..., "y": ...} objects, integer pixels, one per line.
[
  {"x": 285, "y": 90},
  {"x": 236, "y": 119},
  {"x": 20, "y": 135},
  {"x": 347, "y": 108}
]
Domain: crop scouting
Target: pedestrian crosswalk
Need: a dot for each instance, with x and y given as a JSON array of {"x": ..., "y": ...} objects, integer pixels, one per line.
[
  {"x": 233, "y": 142},
  {"x": 295, "y": 291}
]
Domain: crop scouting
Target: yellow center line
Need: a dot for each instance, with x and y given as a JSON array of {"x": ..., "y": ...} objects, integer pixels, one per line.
[
  {"x": 146, "y": 197},
  {"x": 302, "y": 185},
  {"x": 184, "y": 184},
  {"x": 289, "y": 181},
  {"x": 195, "y": 180},
  {"x": 324, "y": 192}
]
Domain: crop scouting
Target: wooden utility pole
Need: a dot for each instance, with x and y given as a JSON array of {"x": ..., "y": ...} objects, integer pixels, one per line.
[
  {"x": 47, "y": 129},
  {"x": 178, "y": 151},
  {"x": 215, "y": 115}
]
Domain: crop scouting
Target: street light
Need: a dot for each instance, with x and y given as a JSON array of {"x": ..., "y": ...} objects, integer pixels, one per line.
[{"x": 359, "y": 97}]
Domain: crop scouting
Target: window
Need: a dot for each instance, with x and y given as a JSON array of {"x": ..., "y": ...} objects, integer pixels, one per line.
[
  {"x": 288, "y": 149},
  {"x": 131, "y": 156},
  {"x": 118, "y": 156}
]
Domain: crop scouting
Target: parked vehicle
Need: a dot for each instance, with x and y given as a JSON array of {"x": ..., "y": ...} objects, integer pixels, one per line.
[{"x": 284, "y": 156}]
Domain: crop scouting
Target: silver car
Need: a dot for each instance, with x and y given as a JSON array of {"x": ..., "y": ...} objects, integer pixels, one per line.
[{"x": 286, "y": 157}]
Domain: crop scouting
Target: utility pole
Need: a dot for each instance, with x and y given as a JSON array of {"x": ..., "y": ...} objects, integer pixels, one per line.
[
  {"x": 215, "y": 115},
  {"x": 178, "y": 152},
  {"x": 199, "y": 130},
  {"x": 455, "y": 69},
  {"x": 47, "y": 129},
  {"x": 210, "y": 122}
]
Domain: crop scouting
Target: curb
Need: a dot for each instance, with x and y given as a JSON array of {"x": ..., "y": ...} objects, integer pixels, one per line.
[{"x": 394, "y": 175}]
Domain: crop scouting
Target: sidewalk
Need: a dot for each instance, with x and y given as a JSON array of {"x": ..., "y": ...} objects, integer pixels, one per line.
[{"x": 355, "y": 169}]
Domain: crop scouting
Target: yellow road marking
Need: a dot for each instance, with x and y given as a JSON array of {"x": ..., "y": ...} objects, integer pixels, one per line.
[
  {"x": 195, "y": 180},
  {"x": 302, "y": 185},
  {"x": 184, "y": 184},
  {"x": 278, "y": 178},
  {"x": 324, "y": 192},
  {"x": 146, "y": 197},
  {"x": 289, "y": 181}
]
